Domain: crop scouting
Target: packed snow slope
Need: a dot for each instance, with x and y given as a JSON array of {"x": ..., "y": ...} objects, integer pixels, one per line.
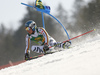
[{"x": 82, "y": 59}]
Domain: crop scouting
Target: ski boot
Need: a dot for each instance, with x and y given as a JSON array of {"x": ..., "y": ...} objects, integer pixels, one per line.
[{"x": 66, "y": 45}]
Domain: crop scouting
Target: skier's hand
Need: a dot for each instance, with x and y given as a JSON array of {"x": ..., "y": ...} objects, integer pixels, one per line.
[
  {"x": 27, "y": 56},
  {"x": 45, "y": 48}
]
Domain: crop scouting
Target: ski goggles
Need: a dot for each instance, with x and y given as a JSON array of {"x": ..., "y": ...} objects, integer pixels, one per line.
[{"x": 27, "y": 28}]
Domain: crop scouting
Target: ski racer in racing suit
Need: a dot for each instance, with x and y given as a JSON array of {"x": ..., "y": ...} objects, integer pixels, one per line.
[{"x": 39, "y": 36}]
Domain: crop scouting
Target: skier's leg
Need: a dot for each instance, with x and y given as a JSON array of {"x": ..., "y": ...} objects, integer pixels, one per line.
[
  {"x": 37, "y": 49},
  {"x": 62, "y": 45},
  {"x": 51, "y": 41}
]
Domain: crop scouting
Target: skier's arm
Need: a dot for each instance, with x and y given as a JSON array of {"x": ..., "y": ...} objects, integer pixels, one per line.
[
  {"x": 27, "y": 44},
  {"x": 45, "y": 34}
]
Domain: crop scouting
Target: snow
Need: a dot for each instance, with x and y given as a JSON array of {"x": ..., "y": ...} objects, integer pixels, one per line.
[{"x": 82, "y": 59}]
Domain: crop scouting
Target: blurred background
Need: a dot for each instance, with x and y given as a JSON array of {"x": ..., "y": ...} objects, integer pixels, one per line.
[{"x": 78, "y": 16}]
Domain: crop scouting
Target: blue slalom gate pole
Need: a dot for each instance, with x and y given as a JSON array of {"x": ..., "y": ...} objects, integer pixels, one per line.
[
  {"x": 27, "y": 5},
  {"x": 43, "y": 20},
  {"x": 51, "y": 16},
  {"x": 61, "y": 25},
  {"x": 41, "y": 13}
]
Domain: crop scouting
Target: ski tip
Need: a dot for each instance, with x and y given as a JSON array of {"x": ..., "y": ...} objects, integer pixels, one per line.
[{"x": 94, "y": 29}]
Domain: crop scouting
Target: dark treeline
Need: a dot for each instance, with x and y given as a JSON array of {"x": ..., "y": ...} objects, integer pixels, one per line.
[{"x": 85, "y": 17}]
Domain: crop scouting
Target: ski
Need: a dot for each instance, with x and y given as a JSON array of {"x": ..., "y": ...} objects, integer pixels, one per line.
[
  {"x": 38, "y": 56},
  {"x": 35, "y": 57}
]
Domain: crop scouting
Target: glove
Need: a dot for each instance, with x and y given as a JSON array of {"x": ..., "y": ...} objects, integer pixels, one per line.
[
  {"x": 45, "y": 48},
  {"x": 27, "y": 56}
]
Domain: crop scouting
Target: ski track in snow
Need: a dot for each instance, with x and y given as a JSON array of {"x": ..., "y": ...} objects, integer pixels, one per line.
[{"x": 82, "y": 59}]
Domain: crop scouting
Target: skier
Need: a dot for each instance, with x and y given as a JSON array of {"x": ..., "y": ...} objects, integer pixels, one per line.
[{"x": 39, "y": 36}]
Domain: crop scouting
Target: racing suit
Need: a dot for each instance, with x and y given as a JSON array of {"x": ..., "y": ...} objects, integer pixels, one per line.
[{"x": 40, "y": 37}]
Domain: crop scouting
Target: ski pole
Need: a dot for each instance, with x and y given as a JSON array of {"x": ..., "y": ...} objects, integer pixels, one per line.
[{"x": 74, "y": 37}]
